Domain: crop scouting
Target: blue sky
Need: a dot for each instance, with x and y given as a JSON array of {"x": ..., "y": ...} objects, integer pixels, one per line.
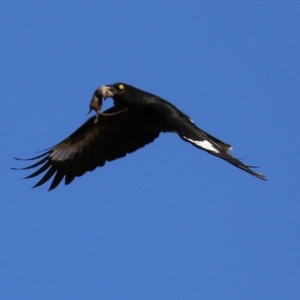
[{"x": 169, "y": 221}]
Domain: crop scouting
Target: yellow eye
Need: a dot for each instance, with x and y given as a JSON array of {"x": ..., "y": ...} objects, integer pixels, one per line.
[{"x": 121, "y": 86}]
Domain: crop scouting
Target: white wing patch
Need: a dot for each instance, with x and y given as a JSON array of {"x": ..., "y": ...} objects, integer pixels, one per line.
[
  {"x": 204, "y": 144},
  {"x": 62, "y": 154}
]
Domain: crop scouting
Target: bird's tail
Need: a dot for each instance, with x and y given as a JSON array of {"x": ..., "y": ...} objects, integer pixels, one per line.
[{"x": 214, "y": 146}]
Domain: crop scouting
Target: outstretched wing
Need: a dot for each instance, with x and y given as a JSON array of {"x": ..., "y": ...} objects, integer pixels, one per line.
[
  {"x": 91, "y": 145},
  {"x": 189, "y": 132}
]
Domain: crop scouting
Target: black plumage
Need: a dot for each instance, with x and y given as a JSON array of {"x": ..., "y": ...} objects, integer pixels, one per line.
[{"x": 136, "y": 119}]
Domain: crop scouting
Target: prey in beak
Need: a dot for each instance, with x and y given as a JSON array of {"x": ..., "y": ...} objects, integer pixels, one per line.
[{"x": 101, "y": 93}]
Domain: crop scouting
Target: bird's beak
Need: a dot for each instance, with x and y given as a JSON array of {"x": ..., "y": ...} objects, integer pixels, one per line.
[{"x": 107, "y": 91}]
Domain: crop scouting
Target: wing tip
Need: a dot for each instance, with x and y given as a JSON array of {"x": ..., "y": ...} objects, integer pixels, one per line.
[{"x": 261, "y": 176}]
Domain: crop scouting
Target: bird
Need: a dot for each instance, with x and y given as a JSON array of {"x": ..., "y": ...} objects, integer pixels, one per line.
[{"x": 136, "y": 119}]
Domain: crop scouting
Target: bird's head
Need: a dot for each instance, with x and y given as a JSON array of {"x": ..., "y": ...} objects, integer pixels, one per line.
[
  {"x": 104, "y": 91},
  {"x": 113, "y": 90}
]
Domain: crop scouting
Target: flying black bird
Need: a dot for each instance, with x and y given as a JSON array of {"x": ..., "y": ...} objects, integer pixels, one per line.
[{"x": 136, "y": 119}]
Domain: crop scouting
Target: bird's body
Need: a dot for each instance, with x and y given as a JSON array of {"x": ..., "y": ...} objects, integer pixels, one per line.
[{"x": 135, "y": 120}]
